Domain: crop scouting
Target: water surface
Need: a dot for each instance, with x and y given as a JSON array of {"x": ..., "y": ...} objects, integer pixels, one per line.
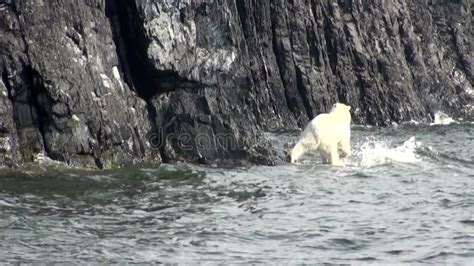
[{"x": 406, "y": 195}]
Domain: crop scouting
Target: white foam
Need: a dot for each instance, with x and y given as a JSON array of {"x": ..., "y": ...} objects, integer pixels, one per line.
[
  {"x": 442, "y": 119},
  {"x": 411, "y": 122},
  {"x": 5, "y": 204},
  {"x": 43, "y": 160},
  {"x": 374, "y": 152}
]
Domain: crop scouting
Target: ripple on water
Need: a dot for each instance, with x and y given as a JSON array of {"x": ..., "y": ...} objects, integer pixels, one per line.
[{"x": 399, "y": 199}]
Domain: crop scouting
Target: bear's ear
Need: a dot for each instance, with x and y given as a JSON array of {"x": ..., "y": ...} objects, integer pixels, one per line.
[{"x": 348, "y": 107}]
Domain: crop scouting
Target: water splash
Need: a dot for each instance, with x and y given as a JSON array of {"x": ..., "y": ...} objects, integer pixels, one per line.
[
  {"x": 377, "y": 152},
  {"x": 310, "y": 213},
  {"x": 441, "y": 118}
]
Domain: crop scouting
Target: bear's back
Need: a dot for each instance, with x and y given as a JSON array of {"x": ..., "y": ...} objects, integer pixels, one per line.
[{"x": 328, "y": 125}]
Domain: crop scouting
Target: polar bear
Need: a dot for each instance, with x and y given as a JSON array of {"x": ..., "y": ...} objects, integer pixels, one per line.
[{"x": 329, "y": 133}]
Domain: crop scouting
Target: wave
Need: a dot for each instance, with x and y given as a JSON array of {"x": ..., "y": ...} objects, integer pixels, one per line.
[
  {"x": 445, "y": 158},
  {"x": 378, "y": 152},
  {"x": 440, "y": 118}
]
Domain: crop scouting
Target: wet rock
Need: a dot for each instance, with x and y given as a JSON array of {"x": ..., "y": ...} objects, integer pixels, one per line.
[
  {"x": 107, "y": 83},
  {"x": 9, "y": 153},
  {"x": 293, "y": 59},
  {"x": 67, "y": 94}
]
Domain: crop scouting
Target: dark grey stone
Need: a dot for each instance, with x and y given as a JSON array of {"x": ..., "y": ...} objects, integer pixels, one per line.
[
  {"x": 117, "y": 82},
  {"x": 67, "y": 95}
]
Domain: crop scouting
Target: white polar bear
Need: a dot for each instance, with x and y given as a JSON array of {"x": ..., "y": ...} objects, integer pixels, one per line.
[{"x": 330, "y": 133}]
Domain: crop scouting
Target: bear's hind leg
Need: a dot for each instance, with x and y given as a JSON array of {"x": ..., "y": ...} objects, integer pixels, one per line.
[
  {"x": 326, "y": 157},
  {"x": 345, "y": 147}
]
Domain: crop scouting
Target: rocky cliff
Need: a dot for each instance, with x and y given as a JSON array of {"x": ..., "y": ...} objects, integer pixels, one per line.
[{"x": 107, "y": 83}]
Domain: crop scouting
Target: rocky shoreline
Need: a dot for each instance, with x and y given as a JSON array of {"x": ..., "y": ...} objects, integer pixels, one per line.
[{"x": 104, "y": 83}]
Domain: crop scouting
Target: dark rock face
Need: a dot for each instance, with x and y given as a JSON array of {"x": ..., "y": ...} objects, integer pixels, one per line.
[
  {"x": 65, "y": 91},
  {"x": 117, "y": 82},
  {"x": 8, "y": 135}
]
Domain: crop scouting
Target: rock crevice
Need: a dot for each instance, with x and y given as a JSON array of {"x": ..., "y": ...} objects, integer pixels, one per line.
[{"x": 107, "y": 83}]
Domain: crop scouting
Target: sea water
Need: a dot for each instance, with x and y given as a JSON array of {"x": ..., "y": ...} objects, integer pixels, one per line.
[{"x": 406, "y": 195}]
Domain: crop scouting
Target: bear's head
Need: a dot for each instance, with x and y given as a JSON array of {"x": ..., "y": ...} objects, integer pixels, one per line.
[
  {"x": 340, "y": 107},
  {"x": 341, "y": 111}
]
